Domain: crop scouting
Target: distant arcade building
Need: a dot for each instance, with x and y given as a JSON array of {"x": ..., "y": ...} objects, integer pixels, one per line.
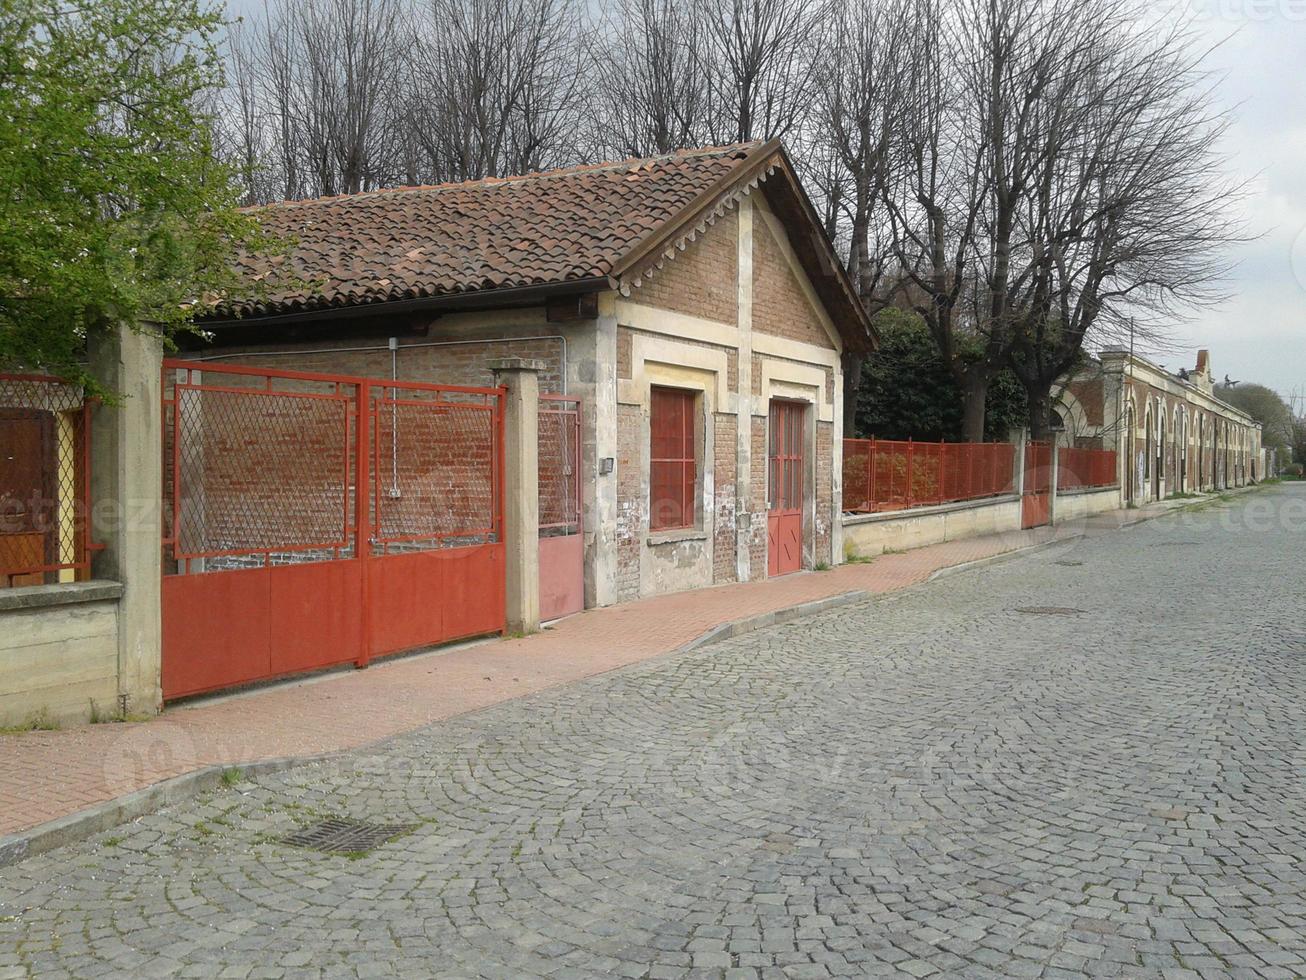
[{"x": 1170, "y": 431}]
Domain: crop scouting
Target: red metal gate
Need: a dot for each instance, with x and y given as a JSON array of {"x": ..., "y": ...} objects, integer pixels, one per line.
[
  {"x": 784, "y": 526},
  {"x": 314, "y": 520},
  {"x": 562, "y": 543},
  {"x": 1036, "y": 501}
]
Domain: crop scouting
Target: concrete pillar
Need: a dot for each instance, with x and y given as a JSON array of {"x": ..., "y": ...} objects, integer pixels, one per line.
[
  {"x": 126, "y": 493},
  {"x": 744, "y": 400},
  {"x": 601, "y": 518},
  {"x": 1018, "y": 437},
  {"x": 1052, "y": 486},
  {"x": 521, "y": 489}
]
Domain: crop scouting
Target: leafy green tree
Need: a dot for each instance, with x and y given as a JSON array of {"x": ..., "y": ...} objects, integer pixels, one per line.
[
  {"x": 907, "y": 392},
  {"x": 112, "y": 205}
]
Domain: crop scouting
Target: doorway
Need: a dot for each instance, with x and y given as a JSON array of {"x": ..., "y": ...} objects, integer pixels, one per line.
[{"x": 786, "y": 477}]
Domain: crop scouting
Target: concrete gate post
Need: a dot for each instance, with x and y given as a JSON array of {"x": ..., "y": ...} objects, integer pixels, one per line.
[
  {"x": 126, "y": 494},
  {"x": 1018, "y": 437},
  {"x": 521, "y": 488},
  {"x": 1052, "y": 486}
]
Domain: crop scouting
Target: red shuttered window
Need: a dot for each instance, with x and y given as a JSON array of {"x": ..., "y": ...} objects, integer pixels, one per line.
[{"x": 673, "y": 467}]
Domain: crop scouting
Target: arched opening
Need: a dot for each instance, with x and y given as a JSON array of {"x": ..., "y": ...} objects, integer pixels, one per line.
[
  {"x": 1158, "y": 470},
  {"x": 1201, "y": 451},
  {"x": 1131, "y": 468},
  {"x": 1149, "y": 449}
]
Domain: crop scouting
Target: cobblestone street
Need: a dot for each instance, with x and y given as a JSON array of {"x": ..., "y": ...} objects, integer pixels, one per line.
[{"x": 1086, "y": 761}]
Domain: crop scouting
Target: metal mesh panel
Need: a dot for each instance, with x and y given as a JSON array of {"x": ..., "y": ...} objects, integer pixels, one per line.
[
  {"x": 260, "y": 471},
  {"x": 261, "y": 467},
  {"x": 44, "y": 481},
  {"x": 434, "y": 471},
  {"x": 559, "y": 465}
]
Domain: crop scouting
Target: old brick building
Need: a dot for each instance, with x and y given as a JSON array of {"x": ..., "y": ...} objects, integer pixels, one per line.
[
  {"x": 692, "y": 302},
  {"x": 1172, "y": 433}
]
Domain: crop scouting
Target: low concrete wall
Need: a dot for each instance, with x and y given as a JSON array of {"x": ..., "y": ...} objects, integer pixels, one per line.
[
  {"x": 58, "y": 653},
  {"x": 1073, "y": 505},
  {"x": 867, "y": 535}
]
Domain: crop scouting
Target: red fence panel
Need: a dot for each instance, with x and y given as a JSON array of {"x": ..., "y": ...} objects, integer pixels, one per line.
[
  {"x": 1078, "y": 468},
  {"x": 883, "y": 475},
  {"x": 313, "y": 520},
  {"x": 562, "y": 547},
  {"x": 559, "y": 465},
  {"x": 45, "y": 481}
]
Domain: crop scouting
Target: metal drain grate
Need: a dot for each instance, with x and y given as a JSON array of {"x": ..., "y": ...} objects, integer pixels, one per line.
[
  {"x": 346, "y": 836},
  {"x": 1070, "y": 564},
  {"x": 1049, "y": 611}
]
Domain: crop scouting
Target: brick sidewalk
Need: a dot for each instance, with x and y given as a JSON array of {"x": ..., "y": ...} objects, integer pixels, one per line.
[{"x": 47, "y": 775}]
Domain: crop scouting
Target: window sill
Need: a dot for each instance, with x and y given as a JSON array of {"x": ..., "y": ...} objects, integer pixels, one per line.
[
  {"x": 675, "y": 535},
  {"x": 65, "y": 594}
]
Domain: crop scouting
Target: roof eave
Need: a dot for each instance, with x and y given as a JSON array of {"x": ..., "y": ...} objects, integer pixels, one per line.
[{"x": 469, "y": 300}]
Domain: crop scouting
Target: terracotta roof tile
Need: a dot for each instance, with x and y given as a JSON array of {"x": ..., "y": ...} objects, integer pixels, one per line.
[{"x": 414, "y": 242}]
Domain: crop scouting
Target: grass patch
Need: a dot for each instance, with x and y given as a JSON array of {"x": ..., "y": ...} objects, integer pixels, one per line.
[
  {"x": 859, "y": 559},
  {"x": 230, "y": 777},
  {"x": 40, "y": 721},
  {"x": 821, "y": 566},
  {"x": 111, "y": 841}
]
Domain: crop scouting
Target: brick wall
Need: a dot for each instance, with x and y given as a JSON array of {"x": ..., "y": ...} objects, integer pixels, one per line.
[
  {"x": 703, "y": 280},
  {"x": 780, "y": 305},
  {"x": 462, "y": 363},
  {"x": 825, "y": 517},
  {"x": 631, "y": 501},
  {"x": 725, "y": 467},
  {"x": 757, "y": 530}
]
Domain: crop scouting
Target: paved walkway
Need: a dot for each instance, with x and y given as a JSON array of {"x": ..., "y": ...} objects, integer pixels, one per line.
[
  {"x": 1083, "y": 763},
  {"x": 47, "y": 775}
]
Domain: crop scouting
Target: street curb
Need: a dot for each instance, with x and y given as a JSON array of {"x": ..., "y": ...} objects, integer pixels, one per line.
[
  {"x": 738, "y": 627},
  {"x": 966, "y": 566},
  {"x": 112, "y": 813}
]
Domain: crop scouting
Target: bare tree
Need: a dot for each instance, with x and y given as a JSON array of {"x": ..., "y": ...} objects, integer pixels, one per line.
[
  {"x": 318, "y": 76},
  {"x": 761, "y": 56},
  {"x": 995, "y": 86},
  {"x": 859, "y": 99},
  {"x": 646, "y": 59},
  {"x": 1129, "y": 220},
  {"x": 495, "y": 85}
]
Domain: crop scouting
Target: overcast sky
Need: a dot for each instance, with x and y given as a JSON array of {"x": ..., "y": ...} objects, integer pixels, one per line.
[{"x": 1259, "y": 333}]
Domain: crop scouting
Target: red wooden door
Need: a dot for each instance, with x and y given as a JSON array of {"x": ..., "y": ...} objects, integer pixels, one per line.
[
  {"x": 784, "y": 526},
  {"x": 26, "y": 493}
]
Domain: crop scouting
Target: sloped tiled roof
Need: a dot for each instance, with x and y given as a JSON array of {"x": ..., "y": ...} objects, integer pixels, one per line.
[
  {"x": 581, "y": 229},
  {"x": 415, "y": 242}
]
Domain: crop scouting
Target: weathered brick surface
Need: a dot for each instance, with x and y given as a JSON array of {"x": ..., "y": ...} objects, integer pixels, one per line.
[
  {"x": 825, "y": 517},
  {"x": 780, "y": 306},
  {"x": 703, "y": 280},
  {"x": 632, "y": 516},
  {"x": 757, "y": 529},
  {"x": 725, "y": 466},
  {"x": 462, "y": 362}
]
